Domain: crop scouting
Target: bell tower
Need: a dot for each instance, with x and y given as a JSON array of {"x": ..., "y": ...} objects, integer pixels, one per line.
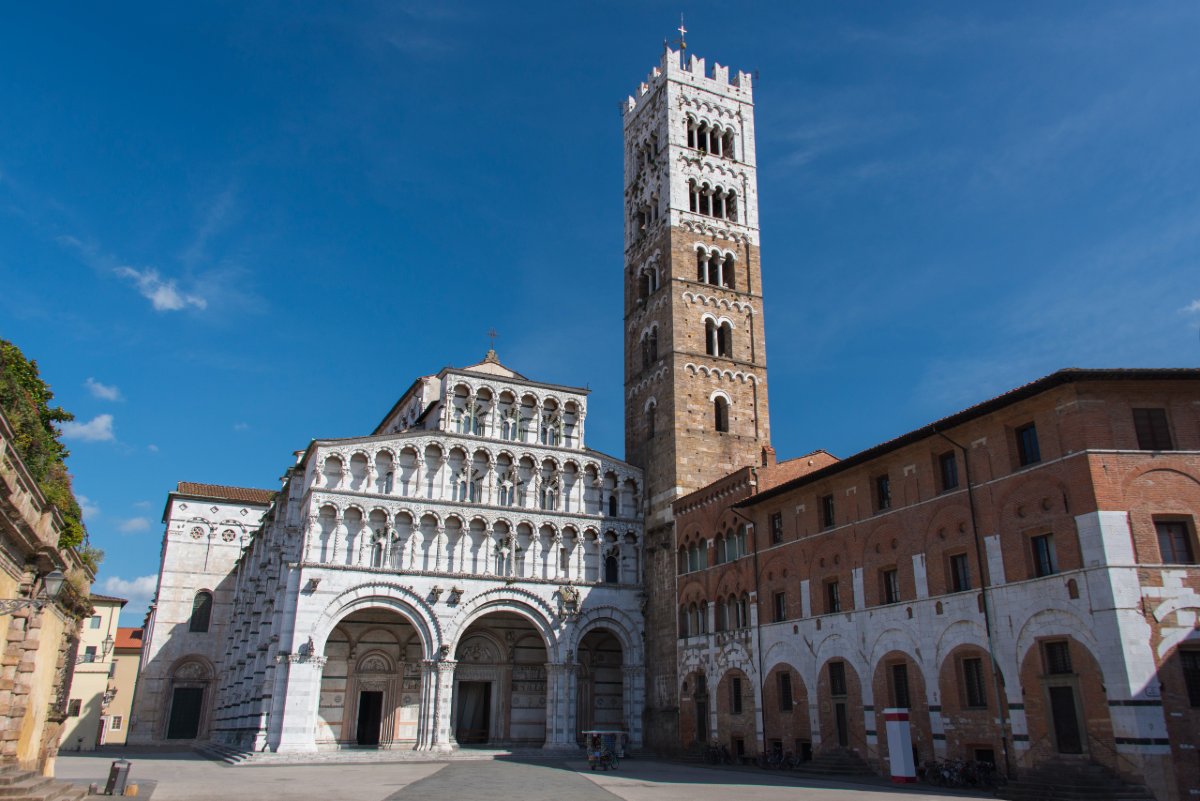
[{"x": 695, "y": 357}]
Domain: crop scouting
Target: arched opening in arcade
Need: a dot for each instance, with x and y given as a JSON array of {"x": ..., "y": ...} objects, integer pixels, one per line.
[
  {"x": 371, "y": 682},
  {"x": 600, "y": 699},
  {"x": 500, "y": 683}
]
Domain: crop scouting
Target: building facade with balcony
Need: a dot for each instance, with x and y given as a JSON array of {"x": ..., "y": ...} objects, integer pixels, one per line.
[{"x": 93, "y": 684}]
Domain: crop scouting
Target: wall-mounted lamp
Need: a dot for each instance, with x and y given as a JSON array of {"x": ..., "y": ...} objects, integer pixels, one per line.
[{"x": 52, "y": 585}]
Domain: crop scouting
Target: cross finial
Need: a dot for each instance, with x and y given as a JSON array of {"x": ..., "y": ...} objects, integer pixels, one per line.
[
  {"x": 492, "y": 336},
  {"x": 682, "y": 33}
]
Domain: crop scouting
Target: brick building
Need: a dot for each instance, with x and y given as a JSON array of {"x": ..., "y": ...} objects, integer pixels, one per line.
[{"x": 1021, "y": 575}]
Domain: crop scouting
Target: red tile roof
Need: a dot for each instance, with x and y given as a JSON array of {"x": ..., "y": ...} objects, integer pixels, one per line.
[
  {"x": 129, "y": 638},
  {"x": 217, "y": 491},
  {"x": 95, "y": 596}
]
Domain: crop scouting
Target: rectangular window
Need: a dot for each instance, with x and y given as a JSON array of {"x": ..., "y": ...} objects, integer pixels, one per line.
[
  {"x": 776, "y": 528},
  {"x": 780, "y": 607},
  {"x": 900, "y": 686},
  {"x": 1191, "y": 675},
  {"x": 73, "y": 707},
  {"x": 837, "y": 678},
  {"x": 891, "y": 586},
  {"x": 826, "y": 511},
  {"x": 116, "y": 723},
  {"x": 883, "y": 492},
  {"x": 785, "y": 691},
  {"x": 948, "y": 470},
  {"x": 89, "y": 653},
  {"x": 735, "y": 699},
  {"x": 960, "y": 573},
  {"x": 976, "y": 693},
  {"x": 1027, "y": 445},
  {"x": 1153, "y": 434},
  {"x": 94, "y": 622},
  {"x": 1174, "y": 542},
  {"x": 833, "y": 597},
  {"x": 1057, "y": 656},
  {"x": 1044, "y": 563}
]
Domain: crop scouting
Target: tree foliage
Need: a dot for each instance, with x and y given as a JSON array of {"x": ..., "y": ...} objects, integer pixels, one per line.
[{"x": 25, "y": 399}]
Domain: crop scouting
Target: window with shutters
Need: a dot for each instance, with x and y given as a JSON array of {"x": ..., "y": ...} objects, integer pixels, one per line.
[
  {"x": 890, "y": 578},
  {"x": 1153, "y": 433},
  {"x": 776, "y": 528},
  {"x": 974, "y": 690},
  {"x": 1044, "y": 563},
  {"x": 1028, "y": 451},
  {"x": 780, "y": 607},
  {"x": 1056, "y": 655},
  {"x": 833, "y": 596},
  {"x": 1190, "y": 660},
  {"x": 960, "y": 573},
  {"x": 827, "y": 511},
  {"x": 1175, "y": 542},
  {"x": 837, "y": 678},
  {"x": 948, "y": 471}
]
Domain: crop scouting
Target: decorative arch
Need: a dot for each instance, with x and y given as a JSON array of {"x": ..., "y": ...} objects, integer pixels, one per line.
[
  {"x": 381, "y": 595},
  {"x": 507, "y": 599}
]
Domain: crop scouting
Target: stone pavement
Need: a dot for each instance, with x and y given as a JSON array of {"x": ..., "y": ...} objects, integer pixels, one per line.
[{"x": 182, "y": 776}]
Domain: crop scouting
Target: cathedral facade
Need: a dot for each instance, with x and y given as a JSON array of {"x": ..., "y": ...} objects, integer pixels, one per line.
[{"x": 467, "y": 574}]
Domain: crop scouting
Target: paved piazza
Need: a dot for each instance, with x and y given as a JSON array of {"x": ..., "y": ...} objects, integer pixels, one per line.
[{"x": 183, "y": 776}]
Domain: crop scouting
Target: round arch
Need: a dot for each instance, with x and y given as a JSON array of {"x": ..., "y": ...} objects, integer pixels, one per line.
[{"x": 392, "y": 597}]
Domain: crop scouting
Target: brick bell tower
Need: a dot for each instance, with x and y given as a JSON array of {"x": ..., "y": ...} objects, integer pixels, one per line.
[{"x": 695, "y": 357}]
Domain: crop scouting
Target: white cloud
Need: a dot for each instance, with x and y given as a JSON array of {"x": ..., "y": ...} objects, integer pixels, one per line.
[
  {"x": 102, "y": 391},
  {"x": 138, "y": 591},
  {"x": 152, "y": 448},
  {"x": 98, "y": 429},
  {"x": 142, "y": 504},
  {"x": 1193, "y": 307},
  {"x": 133, "y": 525},
  {"x": 241, "y": 426},
  {"x": 164, "y": 295},
  {"x": 90, "y": 510}
]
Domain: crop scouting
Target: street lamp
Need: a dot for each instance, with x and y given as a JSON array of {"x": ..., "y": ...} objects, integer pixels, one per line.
[
  {"x": 107, "y": 644},
  {"x": 52, "y": 584}
]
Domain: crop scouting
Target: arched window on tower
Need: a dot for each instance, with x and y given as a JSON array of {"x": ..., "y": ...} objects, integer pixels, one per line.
[
  {"x": 727, "y": 271},
  {"x": 727, "y": 144},
  {"x": 731, "y": 209},
  {"x": 612, "y": 505},
  {"x": 612, "y": 567},
  {"x": 721, "y": 414},
  {"x": 201, "y": 612},
  {"x": 710, "y": 337},
  {"x": 691, "y": 132},
  {"x": 725, "y": 340},
  {"x": 651, "y": 408}
]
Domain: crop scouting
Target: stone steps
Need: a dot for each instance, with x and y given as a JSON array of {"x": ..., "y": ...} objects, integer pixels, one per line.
[
  {"x": 234, "y": 757},
  {"x": 837, "y": 763},
  {"x": 21, "y": 785},
  {"x": 1072, "y": 782}
]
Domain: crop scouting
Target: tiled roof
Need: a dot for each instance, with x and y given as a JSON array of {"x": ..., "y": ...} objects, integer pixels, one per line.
[
  {"x": 95, "y": 596},
  {"x": 241, "y": 494},
  {"x": 129, "y": 638}
]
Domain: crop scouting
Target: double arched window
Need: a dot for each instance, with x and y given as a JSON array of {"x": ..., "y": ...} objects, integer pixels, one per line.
[
  {"x": 201, "y": 612},
  {"x": 715, "y": 268},
  {"x": 649, "y": 347},
  {"x": 718, "y": 338}
]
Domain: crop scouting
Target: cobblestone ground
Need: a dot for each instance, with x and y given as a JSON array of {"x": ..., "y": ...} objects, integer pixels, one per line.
[{"x": 189, "y": 777}]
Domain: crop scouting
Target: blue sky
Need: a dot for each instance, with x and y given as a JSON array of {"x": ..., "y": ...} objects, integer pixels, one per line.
[{"x": 226, "y": 230}]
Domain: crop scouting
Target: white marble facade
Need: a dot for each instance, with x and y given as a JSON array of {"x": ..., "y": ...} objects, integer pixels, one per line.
[{"x": 468, "y": 571}]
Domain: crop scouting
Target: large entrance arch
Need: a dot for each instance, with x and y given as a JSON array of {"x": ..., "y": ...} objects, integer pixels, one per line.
[
  {"x": 600, "y": 696},
  {"x": 500, "y": 682},
  {"x": 370, "y": 692}
]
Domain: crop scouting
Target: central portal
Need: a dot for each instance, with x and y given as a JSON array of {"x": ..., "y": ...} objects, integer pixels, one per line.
[
  {"x": 500, "y": 683},
  {"x": 474, "y": 712},
  {"x": 370, "y": 716}
]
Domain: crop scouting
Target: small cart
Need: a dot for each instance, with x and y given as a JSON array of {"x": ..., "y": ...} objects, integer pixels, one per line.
[{"x": 605, "y": 747}]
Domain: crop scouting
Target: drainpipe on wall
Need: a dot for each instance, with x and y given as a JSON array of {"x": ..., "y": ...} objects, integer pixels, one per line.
[
  {"x": 762, "y": 680},
  {"x": 985, "y": 582}
]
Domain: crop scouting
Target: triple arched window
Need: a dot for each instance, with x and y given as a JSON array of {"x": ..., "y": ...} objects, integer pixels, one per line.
[
  {"x": 709, "y": 138},
  {"x": 713, "y": 201}
]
